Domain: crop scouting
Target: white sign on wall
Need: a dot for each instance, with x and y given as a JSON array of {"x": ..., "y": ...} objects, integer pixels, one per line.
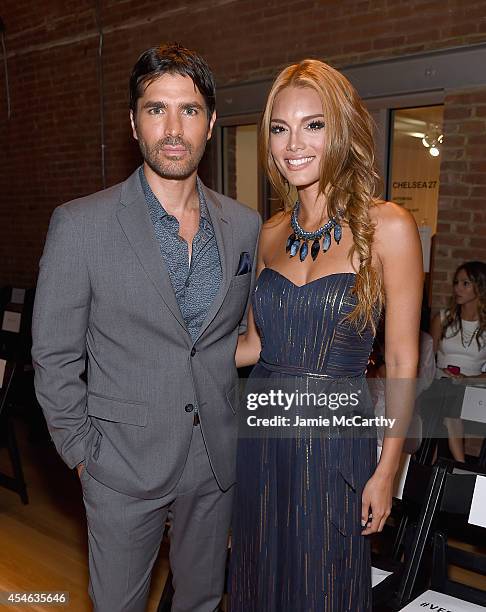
[{"x": 425, "y": 233}]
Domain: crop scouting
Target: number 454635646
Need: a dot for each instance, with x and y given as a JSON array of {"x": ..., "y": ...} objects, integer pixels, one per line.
[{"x": 30, "y": 597}]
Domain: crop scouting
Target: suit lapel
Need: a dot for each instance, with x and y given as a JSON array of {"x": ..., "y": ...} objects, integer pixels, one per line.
[
  {"x": 223, "y": 231},
  {"x": 134, "y": 218}
]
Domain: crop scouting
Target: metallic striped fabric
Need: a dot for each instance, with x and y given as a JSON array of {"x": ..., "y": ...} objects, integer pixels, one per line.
[{"x": 296, "y": 537}]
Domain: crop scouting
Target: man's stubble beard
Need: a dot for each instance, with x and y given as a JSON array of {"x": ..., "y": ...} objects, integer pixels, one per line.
[{"x": 171, "y": 169}]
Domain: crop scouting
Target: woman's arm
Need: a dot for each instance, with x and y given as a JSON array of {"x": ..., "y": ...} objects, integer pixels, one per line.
[
  {"x": 397, "y": 245},
  {"x": 249, "y": 345}
]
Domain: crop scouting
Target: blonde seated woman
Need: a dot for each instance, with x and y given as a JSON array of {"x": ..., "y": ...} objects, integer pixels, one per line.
[{"x": 306, "y": 503}]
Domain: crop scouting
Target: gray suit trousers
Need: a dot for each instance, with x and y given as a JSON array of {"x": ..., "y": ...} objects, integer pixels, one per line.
[{"x": 124, "y": 536}]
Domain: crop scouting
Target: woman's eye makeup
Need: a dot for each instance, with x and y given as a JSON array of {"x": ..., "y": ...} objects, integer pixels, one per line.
[
  {"x": 315, "y": 125},
  {"x": 464, "y": 283},
  {"x": 312, "y": 126}
]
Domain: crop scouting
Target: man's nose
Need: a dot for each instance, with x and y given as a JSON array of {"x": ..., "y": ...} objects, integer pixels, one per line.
[{"x": 174, "y": 125}]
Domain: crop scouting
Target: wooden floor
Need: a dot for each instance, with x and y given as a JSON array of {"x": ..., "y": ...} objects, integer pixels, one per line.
[{"x": 43, "y": 545}]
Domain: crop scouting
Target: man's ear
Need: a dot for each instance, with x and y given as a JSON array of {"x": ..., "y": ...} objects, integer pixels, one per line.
[
  {"x": 211, "y": 125},
  {"x": 133, "y": 124}
]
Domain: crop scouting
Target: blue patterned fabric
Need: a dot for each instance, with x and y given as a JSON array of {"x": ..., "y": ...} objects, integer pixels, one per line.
[
  {"x": 296, "y": 538},
  {"x": 195, "y": 285}
]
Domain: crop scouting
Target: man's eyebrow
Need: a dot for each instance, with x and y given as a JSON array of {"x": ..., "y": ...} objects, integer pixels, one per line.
[
  {"x": 191, "y": 105},
  {"x": 182, "y": 105},
  {"x": 306, "y": 118},
  {"x": 154, "y": 104}
]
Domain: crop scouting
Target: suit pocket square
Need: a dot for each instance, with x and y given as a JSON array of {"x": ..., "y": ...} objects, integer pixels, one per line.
[{"x": 244, "y": 265}]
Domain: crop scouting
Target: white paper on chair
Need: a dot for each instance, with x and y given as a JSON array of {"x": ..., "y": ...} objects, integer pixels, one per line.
[
  {"x": 18, "y": 296},
  {"x": 401, "y": 475},
  {"x": 432, "y": 600},
  {"x": 474, "y": 404},
  {"x": 3, "y": 363},
  {"x": 477, "y": 513},
  {"x": 378, "y": 575},
  {"x": 11, "y": 321}
]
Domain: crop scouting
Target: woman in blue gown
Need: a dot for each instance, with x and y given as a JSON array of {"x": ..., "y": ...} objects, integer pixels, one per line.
[{"x": 308, "y": 497}]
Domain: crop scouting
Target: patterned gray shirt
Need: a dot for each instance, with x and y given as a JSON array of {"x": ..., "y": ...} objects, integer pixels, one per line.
[{"x": 195, "y": 286}]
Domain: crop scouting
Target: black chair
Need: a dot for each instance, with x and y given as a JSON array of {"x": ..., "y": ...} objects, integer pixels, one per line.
[
  {"x": 454, "y": 508},
  {"x": 16, "y": 482},
  {"x": 451, "y": 504},
  {"x": 420, "y": 499},
  {"x": 16, "y": 345}
]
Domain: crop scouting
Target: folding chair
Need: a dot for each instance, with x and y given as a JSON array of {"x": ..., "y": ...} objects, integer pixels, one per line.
[
  {"x": 16, "y": 482},
  {"x": 395, "y": 578},
  {"x": 456, "y": 502},
  {"x": 16, "y": 323},
  {"x": 444, "y": 593}
]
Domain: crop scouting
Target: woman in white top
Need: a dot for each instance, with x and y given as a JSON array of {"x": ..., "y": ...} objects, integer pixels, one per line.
[{"x": 459, "y": 334}]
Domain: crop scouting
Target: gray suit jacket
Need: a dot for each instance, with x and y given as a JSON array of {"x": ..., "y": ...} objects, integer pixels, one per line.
[{"x": 104, "y": 294}]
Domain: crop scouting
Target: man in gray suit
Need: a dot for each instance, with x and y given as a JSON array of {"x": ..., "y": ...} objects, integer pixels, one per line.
[{"x": 148, "y": 282}]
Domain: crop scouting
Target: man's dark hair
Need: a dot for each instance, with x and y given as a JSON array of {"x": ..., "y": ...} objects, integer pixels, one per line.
[{"x": 172, "y": 58}]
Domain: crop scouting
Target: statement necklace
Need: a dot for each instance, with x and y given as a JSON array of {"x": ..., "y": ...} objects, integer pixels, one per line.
[
  {"x": 467, "y": 338},
  {"x": 299, "y": 236}
]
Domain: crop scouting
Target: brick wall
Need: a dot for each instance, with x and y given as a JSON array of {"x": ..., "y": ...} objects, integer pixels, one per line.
[
  {"x": 461, "y": 231},
  {"x": 50, "y": 149}
]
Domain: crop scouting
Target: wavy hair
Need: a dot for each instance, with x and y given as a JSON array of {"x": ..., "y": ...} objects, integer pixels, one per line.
[
  {"x": 348, "y": 176},
  {"x": 476, "y": 273}
]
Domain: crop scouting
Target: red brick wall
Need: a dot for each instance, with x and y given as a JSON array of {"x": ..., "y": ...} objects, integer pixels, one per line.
[
  {"x": 461, "y": 231},
  {"x": 51, "y": 146}
]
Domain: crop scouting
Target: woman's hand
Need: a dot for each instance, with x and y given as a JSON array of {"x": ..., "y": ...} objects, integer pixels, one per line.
[
  {"x": 450, "y": 374},
  {"x": 377, "y": 502}
]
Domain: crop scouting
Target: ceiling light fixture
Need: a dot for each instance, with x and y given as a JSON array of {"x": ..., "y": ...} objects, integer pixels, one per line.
[{"x": 433, "y": 139}]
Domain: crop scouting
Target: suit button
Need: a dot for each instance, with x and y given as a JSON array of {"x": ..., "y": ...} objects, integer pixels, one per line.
[
  {"x": 193, "y": 352},
  {"x": 189, "y": 407}
]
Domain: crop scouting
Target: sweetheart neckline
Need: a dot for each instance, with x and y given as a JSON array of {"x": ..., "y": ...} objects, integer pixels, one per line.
[{"x": 310, "y": 282}]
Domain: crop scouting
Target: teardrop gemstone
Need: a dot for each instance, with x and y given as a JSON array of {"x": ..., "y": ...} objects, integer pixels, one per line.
[
  {"x": 294, "y": 247},
  {"x": 326, "y": 243},
  {"x": 304, "y": 249},
  {"x": 290, "y": 239},
  {"x": 315, "y": 249},
  {"x": 338, "y": 233}
]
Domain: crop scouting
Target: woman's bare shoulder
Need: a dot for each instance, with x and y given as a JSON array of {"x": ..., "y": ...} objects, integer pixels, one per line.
[
  {"x": 272, "y": 232},
  {"x": 275, "y": 224},
  {"x": 276, "y": 220},
  {"x": 396, "y": 232},
  {"x": 389, "y": 217}
]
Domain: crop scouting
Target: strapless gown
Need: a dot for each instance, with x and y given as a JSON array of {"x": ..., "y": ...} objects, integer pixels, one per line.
[{"x": 296, "y": 535}]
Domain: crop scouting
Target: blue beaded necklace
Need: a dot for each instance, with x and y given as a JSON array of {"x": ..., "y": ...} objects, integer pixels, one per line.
[{"x": 300, "y": 235}]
